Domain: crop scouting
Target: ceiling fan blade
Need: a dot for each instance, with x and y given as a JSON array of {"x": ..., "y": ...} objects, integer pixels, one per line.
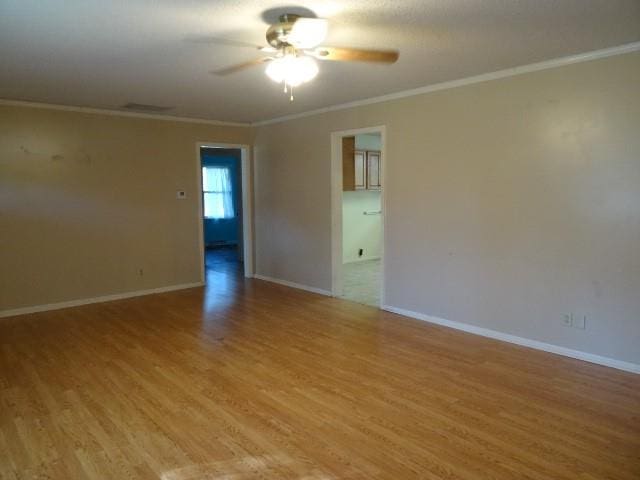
[
  {"x": 208, "y": 39},
  {"x": 240, "y": 66},
  {"x": 355, "y": 55},
  {"x": 308, "y": 32}
]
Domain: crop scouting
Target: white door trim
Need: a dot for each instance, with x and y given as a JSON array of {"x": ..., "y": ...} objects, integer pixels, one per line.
[
  {"x": 247, "y": 211},
  {"x": 336, "y": 205}
]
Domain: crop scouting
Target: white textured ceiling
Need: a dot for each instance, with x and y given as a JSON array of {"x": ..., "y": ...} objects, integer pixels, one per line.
[{"x": 106, "y": 53}]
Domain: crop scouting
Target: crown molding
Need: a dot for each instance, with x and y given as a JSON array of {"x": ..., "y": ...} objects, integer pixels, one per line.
[
  {"x": 509, "y": 72},
  {"x": 119, "y": 113}
]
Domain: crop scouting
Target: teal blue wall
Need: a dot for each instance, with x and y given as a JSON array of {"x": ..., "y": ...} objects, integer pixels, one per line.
[{"x": 224, "y": 230}]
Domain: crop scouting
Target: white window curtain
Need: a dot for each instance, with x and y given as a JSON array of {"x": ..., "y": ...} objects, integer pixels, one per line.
[{"x": 218, "y": 192}]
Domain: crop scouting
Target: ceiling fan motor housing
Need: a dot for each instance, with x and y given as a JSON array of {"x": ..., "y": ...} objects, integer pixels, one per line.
[{"x": 277, "y": 34}]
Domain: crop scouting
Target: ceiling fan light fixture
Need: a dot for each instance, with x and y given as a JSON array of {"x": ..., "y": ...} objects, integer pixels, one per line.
[
  {"x": 294, "y": 41},
  {"x": 293, "y": 70}
]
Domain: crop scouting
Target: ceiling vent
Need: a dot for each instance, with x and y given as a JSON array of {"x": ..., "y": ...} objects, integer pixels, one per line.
[{"x": 141, "y": 107}]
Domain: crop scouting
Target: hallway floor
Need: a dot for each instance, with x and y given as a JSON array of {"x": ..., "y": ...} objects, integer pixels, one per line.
[
  {"x": 361, "y": 282},
  {"x": 224, "y": 258}
]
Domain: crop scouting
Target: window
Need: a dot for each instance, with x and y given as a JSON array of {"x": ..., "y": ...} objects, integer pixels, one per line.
[{"x": 217, "y": 192}]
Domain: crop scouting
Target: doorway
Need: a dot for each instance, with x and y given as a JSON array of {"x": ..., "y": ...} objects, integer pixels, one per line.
[
  {"x": 358, "y": 163},
  {"x": 224, "y": 211}
]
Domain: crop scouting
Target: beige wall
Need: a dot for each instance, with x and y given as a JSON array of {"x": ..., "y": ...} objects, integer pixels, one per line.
[
  {"x": 509, "y": 203},
  {"x": 87, "y": 200}
]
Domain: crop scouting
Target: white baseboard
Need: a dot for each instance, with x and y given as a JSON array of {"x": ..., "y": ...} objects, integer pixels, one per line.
[
  {"x": 87, "y": 301},
  {"x": 361, "y": 259},
  {"x": 505, "y": 337},
  {"x": 293, "y": 284}
]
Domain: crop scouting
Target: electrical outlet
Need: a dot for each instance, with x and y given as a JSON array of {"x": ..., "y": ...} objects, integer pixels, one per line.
[
  {"x": 580, "y": 321},
  {"x": 567, "y": 319}
]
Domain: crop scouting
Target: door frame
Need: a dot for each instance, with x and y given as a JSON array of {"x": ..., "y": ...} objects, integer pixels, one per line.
[
  {"x": 336, "y": 205},
  {"x": 247, "y": 211}
]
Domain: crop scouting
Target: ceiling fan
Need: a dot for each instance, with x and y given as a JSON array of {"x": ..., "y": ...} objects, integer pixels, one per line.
[{"x": 293, "y": 43}]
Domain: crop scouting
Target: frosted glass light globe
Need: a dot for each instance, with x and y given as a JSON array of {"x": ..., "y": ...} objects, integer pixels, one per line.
[{"x": 292, "y": 70}]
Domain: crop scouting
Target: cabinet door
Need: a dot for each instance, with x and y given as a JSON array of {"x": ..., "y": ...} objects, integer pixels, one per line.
[
  {"x": 373, "y": 171},
  {"x": 360, "y": 170},
  {"x": 348, "y": 164}
]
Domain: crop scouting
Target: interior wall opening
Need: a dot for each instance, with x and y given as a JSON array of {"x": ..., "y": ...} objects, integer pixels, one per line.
[
  {"x": 222, "y": 210},
  {"x": 358, "y": 236}
]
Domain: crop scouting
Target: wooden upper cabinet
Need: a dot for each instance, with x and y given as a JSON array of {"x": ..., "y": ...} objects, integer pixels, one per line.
[
  {"x": 348, "y": 164},
  {"x": 360, "y": 168},
  {"x": 373, "y": 170}
]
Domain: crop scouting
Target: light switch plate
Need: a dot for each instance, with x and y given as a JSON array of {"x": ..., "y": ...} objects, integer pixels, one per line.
[{"x": 580, "y": 321}]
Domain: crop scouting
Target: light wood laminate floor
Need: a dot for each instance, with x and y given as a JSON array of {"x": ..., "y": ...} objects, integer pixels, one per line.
[{"x": 249, "y": 380}]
